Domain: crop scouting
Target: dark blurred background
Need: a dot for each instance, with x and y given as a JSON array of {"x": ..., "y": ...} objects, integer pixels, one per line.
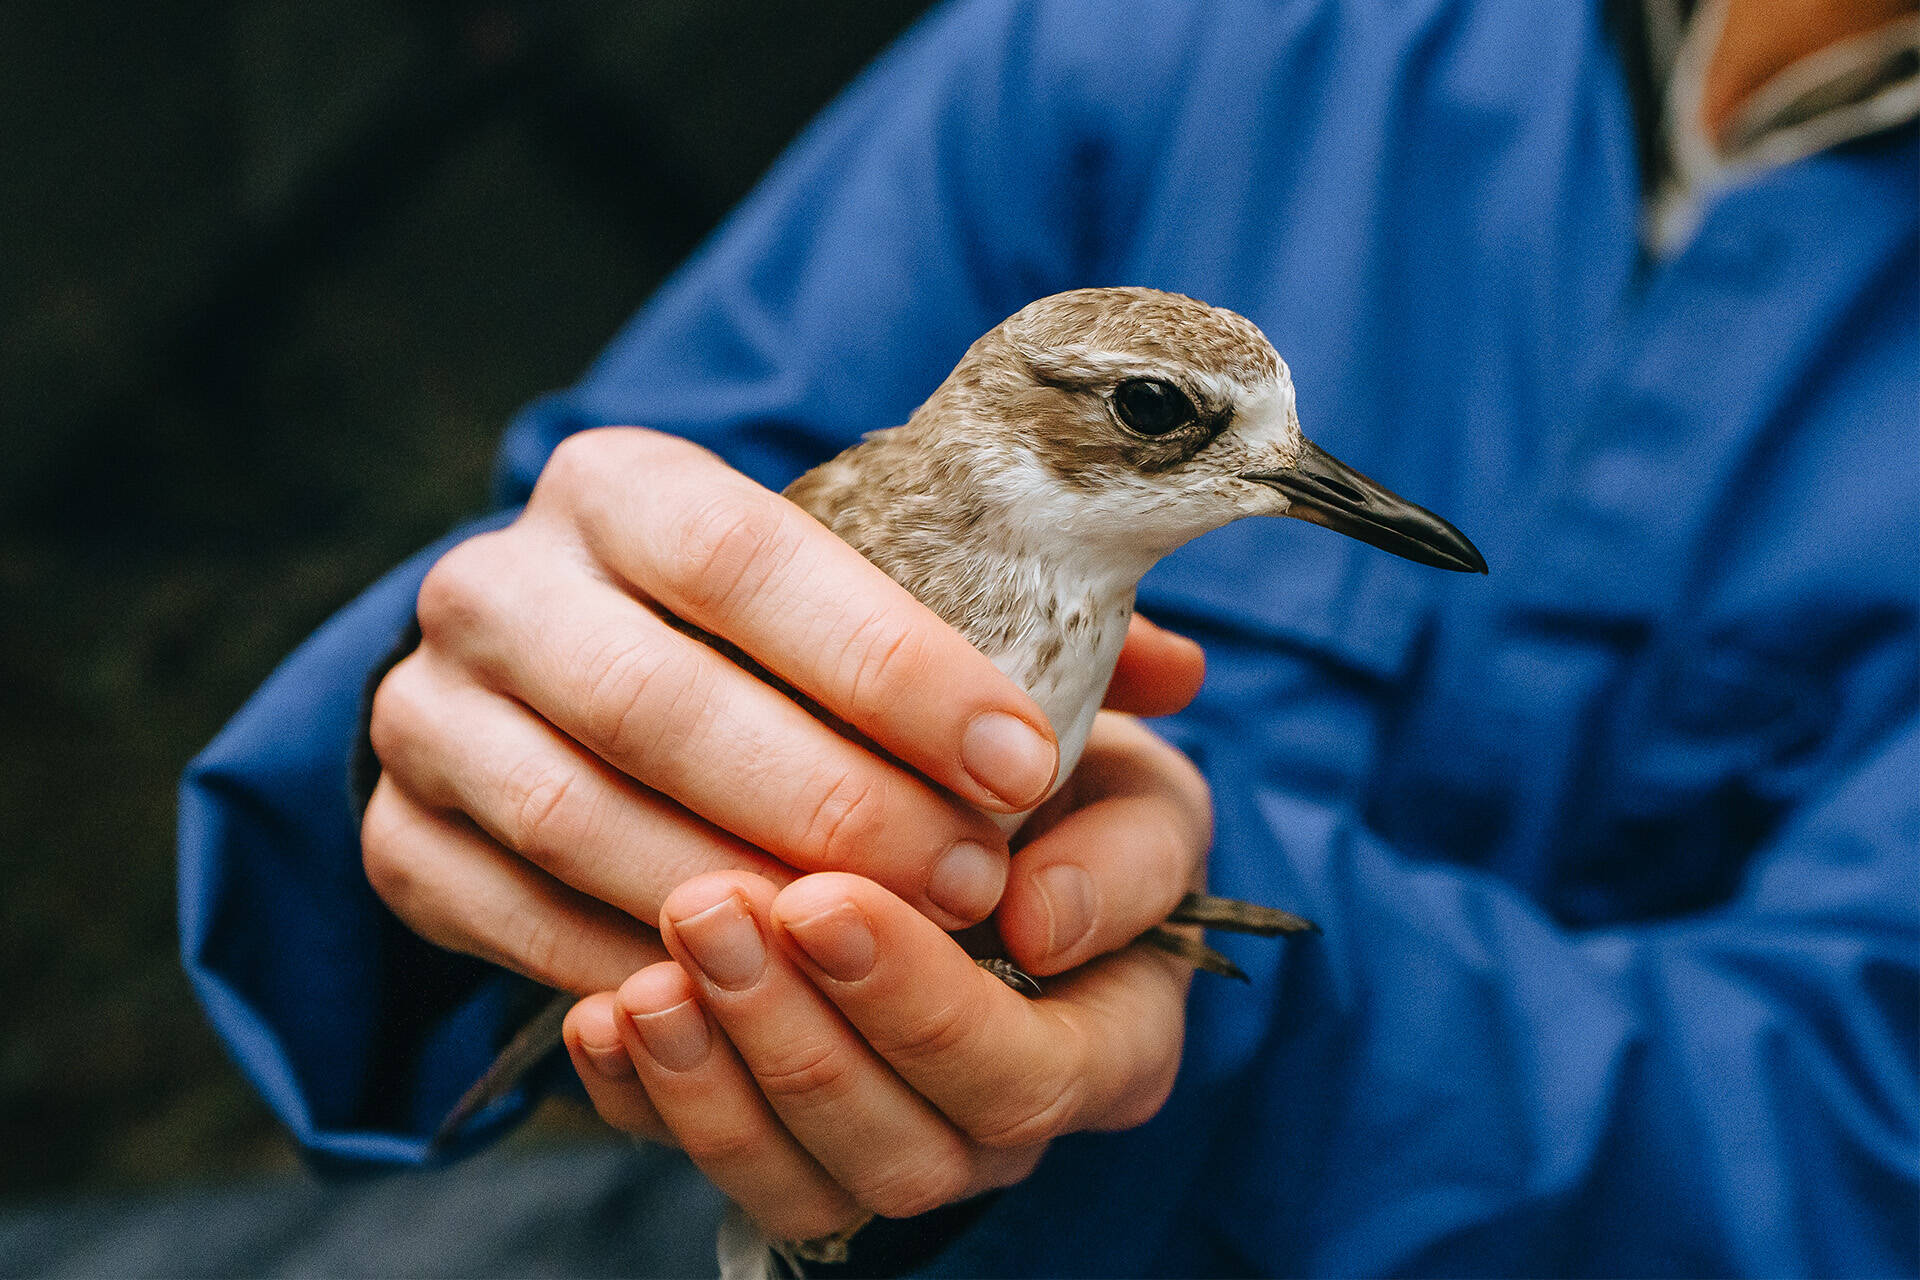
[{"x": 274, "y": 275}]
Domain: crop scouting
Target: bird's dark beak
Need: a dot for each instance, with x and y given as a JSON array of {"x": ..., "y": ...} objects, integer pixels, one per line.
[{"x": 1328, "y": 492}]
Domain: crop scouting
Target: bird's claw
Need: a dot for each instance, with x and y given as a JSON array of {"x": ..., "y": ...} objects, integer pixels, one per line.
[{"x": 1011, "y": 974}]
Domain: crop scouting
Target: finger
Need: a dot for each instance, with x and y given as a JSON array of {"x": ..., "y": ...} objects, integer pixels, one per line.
[
  {"x": 717, "y": 1113},
  {"x": 744, "y": 563},
  {"x": 669, "y": 711},
  {"x": 606, "y": 1070},
  {"x": 458, "y": 889},
  {"x": 454, "y": 745},
  {"x": 891, "y": 1150},
  {"x": 1159, "y": 671},
  {"x": 1010, "y": 1072},
  {"x": 1114, "y": 857}
]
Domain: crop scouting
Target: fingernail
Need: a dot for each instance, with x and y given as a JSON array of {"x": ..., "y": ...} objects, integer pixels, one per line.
[
  {"x": 610, "y": 1060},
  {"x": 968, "y": 880},
  {"x": 725, "y": 943},
  {"x": 676, "y": 1038},
  {"x": 1008, "y": 757},
  {"x": 1066, "y": 890},
  {"x": 839, "y": 940}
]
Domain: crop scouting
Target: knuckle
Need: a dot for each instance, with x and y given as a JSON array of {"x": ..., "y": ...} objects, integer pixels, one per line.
[
  {"x": 1196, "y": 801},
  {"x": 576, "y": 462},
  {"x": 888, "y": 656},
  {"x": 590, "y": 474},
  {"x": 1143, "y": 1101},
  {"x": 917, "y": 1185},
  {"x": 383, "y": 846},
  {"x": 663, "y": 449},
  {"x": 638, "y": 698},
  {"x": 810, "y": 1071},
  {"x": 1186, "y": 798},
  {"x": 841, "y": 820},
  {"x": 1035, "y": 1117},
  {"x": 1175, "y": 854},
  {"x": 456, "y": 595},
  {"x": 1005, "y": 1168},
  {"x": 547, "y": 812},
  {"x": 933, "y": 1035},
  {"x": 630, "y": 1113},
  {"x": 722, "y": 552},
  {"x": 396, "y": 714},
  {"x": 723, "y": 1146},
  {"x": 540, "y": 950},
  {"x": 808, "y": 1217}
]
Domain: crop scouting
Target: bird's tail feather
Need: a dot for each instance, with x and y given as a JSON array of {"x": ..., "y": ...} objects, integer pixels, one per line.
[
  {"x": 1234, "y": 916},
  {"x": 533, "y": 1041}
]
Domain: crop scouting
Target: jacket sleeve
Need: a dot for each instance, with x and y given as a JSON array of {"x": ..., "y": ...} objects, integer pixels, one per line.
[
  {"x": 1462, "y": 1084},
  {"x": 919, "y": 210}
]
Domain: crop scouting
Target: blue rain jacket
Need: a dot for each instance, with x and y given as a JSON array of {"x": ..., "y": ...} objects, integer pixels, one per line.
[{"x": 1617, "y": 851}]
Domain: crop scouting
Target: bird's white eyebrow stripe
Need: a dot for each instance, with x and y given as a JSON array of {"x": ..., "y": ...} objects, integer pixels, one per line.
[
  {"x": 1219, "y": 390},
  {"x": 1088, "y": 366},
  {"x": 1076, "y": 365}
]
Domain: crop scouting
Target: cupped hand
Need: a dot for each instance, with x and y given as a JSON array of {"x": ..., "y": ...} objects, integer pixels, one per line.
[
  {"x": 563, "y": 748},
  {"x": 824, "y": 1052}
]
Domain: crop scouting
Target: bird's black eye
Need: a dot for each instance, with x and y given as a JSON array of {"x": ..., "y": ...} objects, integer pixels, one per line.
[{"x": 1152, "y": 407}]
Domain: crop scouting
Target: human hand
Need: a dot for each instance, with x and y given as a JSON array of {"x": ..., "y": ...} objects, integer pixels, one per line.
[
  {"x": 823, "y": 1052},
  {"x": 556, "y": 756}
]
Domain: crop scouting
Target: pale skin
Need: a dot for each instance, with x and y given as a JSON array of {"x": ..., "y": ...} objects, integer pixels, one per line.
[{"x": 562, "y": 771}]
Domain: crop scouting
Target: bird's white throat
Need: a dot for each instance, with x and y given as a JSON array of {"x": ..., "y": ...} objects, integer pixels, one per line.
[
  {"x": 1038, "y": 576},
  {"x": 1070, "y": 562},
  {"x": 1066, "y": 658}
]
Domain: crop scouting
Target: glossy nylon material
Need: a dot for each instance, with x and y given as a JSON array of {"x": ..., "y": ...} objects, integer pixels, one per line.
[{"x": 1614, "y": 851}]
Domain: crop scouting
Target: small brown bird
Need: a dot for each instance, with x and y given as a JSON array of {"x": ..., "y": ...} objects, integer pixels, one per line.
[{"x": 1072, "y": 447}]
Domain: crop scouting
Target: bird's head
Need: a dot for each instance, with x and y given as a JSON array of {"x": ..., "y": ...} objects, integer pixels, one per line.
[{"x": 1128, "y": 418}]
